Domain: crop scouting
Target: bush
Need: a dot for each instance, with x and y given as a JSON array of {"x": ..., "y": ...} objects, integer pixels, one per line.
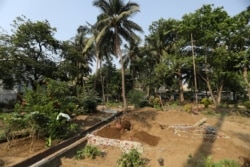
[
  {"x": 155, "y": 101},
  {"x": 206, "y": 102},
  {"x": 188, "y": 108},
  {"x": 131, "y": 159},
  {"x": 207, "y": 161},
  {"x": 49, "y": 98},
  {"x": 136, "y": 96},
  {"x": 223, "y": 163},
  {"x": 89, "y": 104},
  {"x": 16, "y": 122},
  {"x": 144, "y": 103},
  {"x": 247, "y": 104},
  {"x": 88, "y": 152},
  {"x": 88, "y": 101},
  {"x": 39, "y": 109}
]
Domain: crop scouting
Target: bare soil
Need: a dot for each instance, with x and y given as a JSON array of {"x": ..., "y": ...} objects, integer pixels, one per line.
[
  {"x": 151, "y": 127},
  {"x": 18, "y": 150}
]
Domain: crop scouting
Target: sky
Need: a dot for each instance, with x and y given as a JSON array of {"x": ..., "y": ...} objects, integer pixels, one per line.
[{"x": 67, "y": 15}]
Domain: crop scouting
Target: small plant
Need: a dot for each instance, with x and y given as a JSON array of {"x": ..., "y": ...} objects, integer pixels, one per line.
[
  {"x": 247, "y": 104},
  {"x": 188, "y": 108},
  {"x": 206, "y": 102},
  {"x": 48, "y": 142},
  {"x": 88, "y": 152},
  {"x": 136, "y": 96},
  {"x": 209, "y": 111},
  {"x": 207, "y": 161},
  {"x": 223, "y": 163},
  {"x": 155, "y": 101},
  {"x": 131, "y": 159}
]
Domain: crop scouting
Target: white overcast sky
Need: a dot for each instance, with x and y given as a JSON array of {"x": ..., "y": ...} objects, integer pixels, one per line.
[{"x": 67, "y": 15}]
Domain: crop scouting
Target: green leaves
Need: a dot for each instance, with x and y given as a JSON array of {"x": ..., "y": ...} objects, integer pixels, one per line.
[
  {"x": 131, "y": 159},
  {"x": 31, "y": 48},
  {"x": 88, "y": 152}
]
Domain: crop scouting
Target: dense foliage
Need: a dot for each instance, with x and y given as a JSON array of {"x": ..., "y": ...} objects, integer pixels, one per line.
[
  {"x": 43, "y": 110},
  {"x": 205, "y": 51}
]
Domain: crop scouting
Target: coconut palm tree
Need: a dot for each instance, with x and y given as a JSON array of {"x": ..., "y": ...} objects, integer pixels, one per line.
[
  {"x": 101, "y": 49},
  {"x": 131, "y": 57},
  {"x": 75, "y": 66},
  {"x": 114, "y": 20}
]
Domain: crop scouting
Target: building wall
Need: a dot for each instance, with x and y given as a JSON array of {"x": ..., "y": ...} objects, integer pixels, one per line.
[{"x": 7, "y": 95}]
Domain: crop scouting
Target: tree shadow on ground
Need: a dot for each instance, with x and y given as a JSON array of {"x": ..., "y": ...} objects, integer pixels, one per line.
[
  {"x": 244, "y": 137},
  {"x": 205, "y": 149}
]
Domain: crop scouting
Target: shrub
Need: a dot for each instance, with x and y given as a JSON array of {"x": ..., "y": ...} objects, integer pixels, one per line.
[
  {"x": 136, "y": 96},
  {"x": 16, "y": 122},
  {"x": 223, "y": 163},
  {"x": 88, "y": 152},
  {"x": 188, "y": 108},
  {"x": 88, "y": 101},
  {"x": 247, "y": 104},
  {"x": 89, "y": 104},
  {"x": 144, "y": 103},
  {"x": 40, "y": 108},
  {"x": 207, "y": 161},
  {"x": 155, "y": 101},
  {"x": 131, "y": 159},
  {"x": 49, "y": 98},
  {"x": 151, "y": 100},
  {"x": 41, "y": 125},
  {"x": 206, "y": 102}
]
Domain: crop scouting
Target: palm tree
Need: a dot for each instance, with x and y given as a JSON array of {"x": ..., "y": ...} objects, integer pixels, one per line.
[
  {"x": 101, "y": 49},
  {"x": 131, "y": 57},
  {"x": 114, "y": 20},
  {"x": 75, "y": 66}
]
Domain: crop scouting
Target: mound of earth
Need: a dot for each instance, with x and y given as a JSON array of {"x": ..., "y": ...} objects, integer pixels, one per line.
[{"x": 183, "y": 149}]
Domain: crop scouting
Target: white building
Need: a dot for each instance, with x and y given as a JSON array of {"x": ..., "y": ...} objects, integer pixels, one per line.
[{"x": 7, "y": 95}]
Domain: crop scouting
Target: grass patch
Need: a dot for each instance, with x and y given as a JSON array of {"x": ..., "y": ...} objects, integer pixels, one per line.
[{"x": 207, "y": 161}]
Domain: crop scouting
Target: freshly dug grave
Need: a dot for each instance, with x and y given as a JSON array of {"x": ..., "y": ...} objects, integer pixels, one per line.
[{"x": 154, "y": 129}]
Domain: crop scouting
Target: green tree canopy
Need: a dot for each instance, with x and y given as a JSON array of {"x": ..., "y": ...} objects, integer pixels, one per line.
[{"x": 35, "y": 50}]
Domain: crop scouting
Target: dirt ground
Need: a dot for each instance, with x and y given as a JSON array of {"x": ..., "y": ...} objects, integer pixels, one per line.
[
  {"x": 184, "y": 148},
  {"x": 162, "y": 137},
  {"x": 19, "y": 149}
]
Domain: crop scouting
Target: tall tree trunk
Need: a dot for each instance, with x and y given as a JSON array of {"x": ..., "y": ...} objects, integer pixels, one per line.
[
  {"x": 119, "y": 53},
  {"x": 219, "y": 92},
  {"x": 211, "y": 92},
  {"x": 207, "y": 81},
  {"x": 97, "y": 65},
  {"x": 123, "y": 81},
  {"x": 102, "y": 83},
  {"x": 246, "y": 81},
  {"x": 181, "y": 91}
]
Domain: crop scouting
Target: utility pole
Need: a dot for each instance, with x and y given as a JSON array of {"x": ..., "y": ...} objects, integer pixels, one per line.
[{"x": 195, "y": 81}]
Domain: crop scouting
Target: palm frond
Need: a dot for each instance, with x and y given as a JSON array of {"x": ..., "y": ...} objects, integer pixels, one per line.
[{"x": 88, "y": 44}]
